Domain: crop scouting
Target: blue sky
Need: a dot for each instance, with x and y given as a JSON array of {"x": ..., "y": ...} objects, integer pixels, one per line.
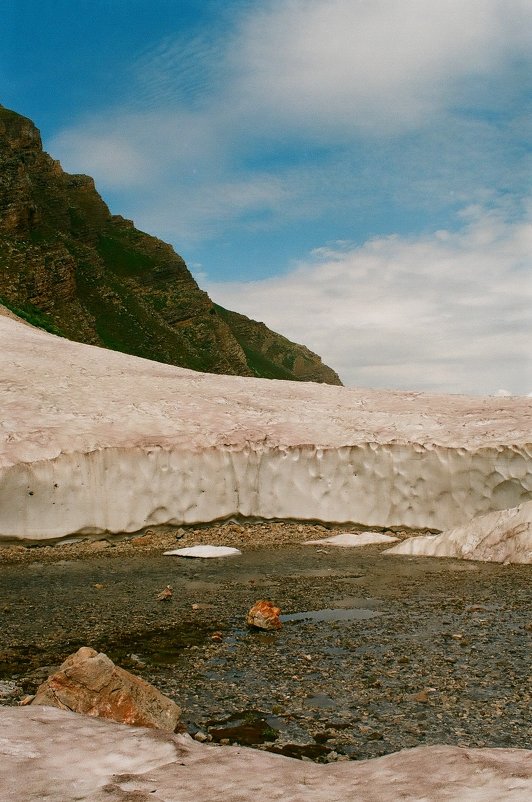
[{"x": 356, "y": 174}]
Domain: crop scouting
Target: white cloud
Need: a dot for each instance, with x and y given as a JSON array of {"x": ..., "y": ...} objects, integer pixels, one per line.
[
  {"x": 323, "y": 68},
  {"x": 357, "y": 77},
  {"x": 445, "y": 312},
  {"x": 109, "y": 155},
  {"x": 340, "y": 66},
  {"x": 126, "y": 148}
]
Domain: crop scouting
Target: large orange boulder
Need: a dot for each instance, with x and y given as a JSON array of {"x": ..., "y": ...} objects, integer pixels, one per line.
[{"x": 89, "y": 682}]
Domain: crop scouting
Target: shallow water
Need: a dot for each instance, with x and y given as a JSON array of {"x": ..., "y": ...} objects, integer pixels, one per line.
[{"x": 338, "y": 614}]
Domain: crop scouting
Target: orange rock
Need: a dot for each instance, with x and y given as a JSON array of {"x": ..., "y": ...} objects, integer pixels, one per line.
[
  {"x": 264, "y": 615},
  {"x": 89, "y": 682}
]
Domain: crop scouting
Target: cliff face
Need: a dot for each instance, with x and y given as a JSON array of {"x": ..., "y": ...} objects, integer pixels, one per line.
[{"x": 68, "y": 265}]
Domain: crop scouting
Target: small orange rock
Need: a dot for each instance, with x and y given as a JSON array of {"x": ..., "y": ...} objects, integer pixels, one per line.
[
  {"x": 264, "y": 615},
  {"x": 165, "y": 594}
]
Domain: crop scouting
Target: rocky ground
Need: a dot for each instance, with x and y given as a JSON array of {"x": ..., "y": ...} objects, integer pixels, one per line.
[{"x": 398, "y": 651}]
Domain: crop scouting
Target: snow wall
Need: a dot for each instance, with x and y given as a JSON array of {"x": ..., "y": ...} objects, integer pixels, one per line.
[{"x": 374, "y": 484}]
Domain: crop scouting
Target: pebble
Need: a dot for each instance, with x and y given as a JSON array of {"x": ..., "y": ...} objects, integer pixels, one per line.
[{"x": 8, "y": 689}]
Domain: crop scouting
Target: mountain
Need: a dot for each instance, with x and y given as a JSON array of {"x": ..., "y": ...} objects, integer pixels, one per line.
[{"x": 68, "y": 265}]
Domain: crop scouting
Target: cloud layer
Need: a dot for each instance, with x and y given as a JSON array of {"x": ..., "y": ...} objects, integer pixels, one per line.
[
  {"x": 335, "y": 66},
  {"x": 256, "y": 118},
  {"x": 446, "y": 312},
  {"x": 297, "y": 122}
]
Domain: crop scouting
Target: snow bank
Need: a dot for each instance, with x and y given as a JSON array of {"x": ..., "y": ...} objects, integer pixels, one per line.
[
  {"x": 504, "y": 536},
  {"x": 57, "y": 755},
  {"x": 353, "y": 539},
  {"x": 94, "y": 441},
  {"x": 203, "y": 552}
]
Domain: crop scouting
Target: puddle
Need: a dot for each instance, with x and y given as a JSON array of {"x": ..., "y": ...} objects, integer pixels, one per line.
[
  {"x": 163, "y": 648},
  {"x": 253, "y": 727},
  {"x": 299, "y": 751},
  {"x": 248, "y": 728},
  {"x": 336, "y": 614}
]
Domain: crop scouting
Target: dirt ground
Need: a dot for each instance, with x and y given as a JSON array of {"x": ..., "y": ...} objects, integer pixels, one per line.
[{"x": 392, "y": 651}]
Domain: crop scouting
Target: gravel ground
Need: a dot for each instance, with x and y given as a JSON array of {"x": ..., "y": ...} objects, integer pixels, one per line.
[{"x": 399, "y": 651}]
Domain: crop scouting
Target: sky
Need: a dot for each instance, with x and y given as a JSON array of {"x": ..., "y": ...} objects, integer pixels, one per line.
[{"x": 355, "y": 173}]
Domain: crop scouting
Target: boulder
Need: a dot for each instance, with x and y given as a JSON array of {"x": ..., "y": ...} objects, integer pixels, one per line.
[
  {"x": 89, "y": 682},
  {"x": 264, "y": 615}
]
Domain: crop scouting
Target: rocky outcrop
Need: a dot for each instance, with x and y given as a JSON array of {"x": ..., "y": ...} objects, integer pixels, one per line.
[
  {"x": 89, "y": 682},
  {"x": 272, "y": 356},
  {"x": 68, "y": 265},
  {"x": 504, "y": 536},
  {"x": 48, "y": 754}
]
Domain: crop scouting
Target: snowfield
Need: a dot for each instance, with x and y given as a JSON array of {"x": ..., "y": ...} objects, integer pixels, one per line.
[{"x": 94, "y": 441}]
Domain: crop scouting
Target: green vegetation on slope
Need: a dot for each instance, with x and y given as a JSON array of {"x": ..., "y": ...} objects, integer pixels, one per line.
[{"x": 67, "y": 265}]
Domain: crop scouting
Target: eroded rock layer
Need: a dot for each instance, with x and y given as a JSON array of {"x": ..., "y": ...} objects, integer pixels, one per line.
[{"x": 95, "y": 441}]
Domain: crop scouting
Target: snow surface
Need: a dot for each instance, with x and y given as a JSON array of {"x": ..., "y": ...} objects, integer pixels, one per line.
[
  {"x": 203, "y": 551},
  {"x": 353, "y": 539},
  {"x": 52, "y": 755},
  {"x": 502, "y": 537},
  {"x": 95, "y": 441}
]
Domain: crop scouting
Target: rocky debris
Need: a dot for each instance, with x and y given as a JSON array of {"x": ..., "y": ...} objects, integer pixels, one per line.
[
  {"x": 264, "y": 615},
  {"x": 203, "y": 552},
  {"x": 165, "y": 594},
  {"x": 248, "y": 536},
  {"x": 9, "y": 690},
  {"x": 503, "y": 537},
  {"x": 55, "y": 752},
  {"x": 206, "y": 661},
  {"x": 89, "y": 682},
  {"x": 353, "y": 539}
]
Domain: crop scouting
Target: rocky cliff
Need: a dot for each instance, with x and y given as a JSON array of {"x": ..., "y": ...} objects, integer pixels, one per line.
[{"x": 68, "y": 265}]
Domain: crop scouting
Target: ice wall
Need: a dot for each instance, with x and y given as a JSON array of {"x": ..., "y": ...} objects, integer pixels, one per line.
[
  {"x": 125, "y": 489},
  {"x": 93, "y": 441}
]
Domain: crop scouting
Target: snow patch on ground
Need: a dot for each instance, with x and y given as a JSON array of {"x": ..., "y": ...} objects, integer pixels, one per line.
[
  {"x": 203, "y": 552},
  {"x": 353, "y": 539},
  {"x": 503, "y": 537},
  {"x": 51, "y": 755}
]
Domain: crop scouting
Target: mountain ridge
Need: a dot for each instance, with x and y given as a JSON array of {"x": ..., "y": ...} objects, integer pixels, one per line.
[{"x": 70, "y": 266}]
